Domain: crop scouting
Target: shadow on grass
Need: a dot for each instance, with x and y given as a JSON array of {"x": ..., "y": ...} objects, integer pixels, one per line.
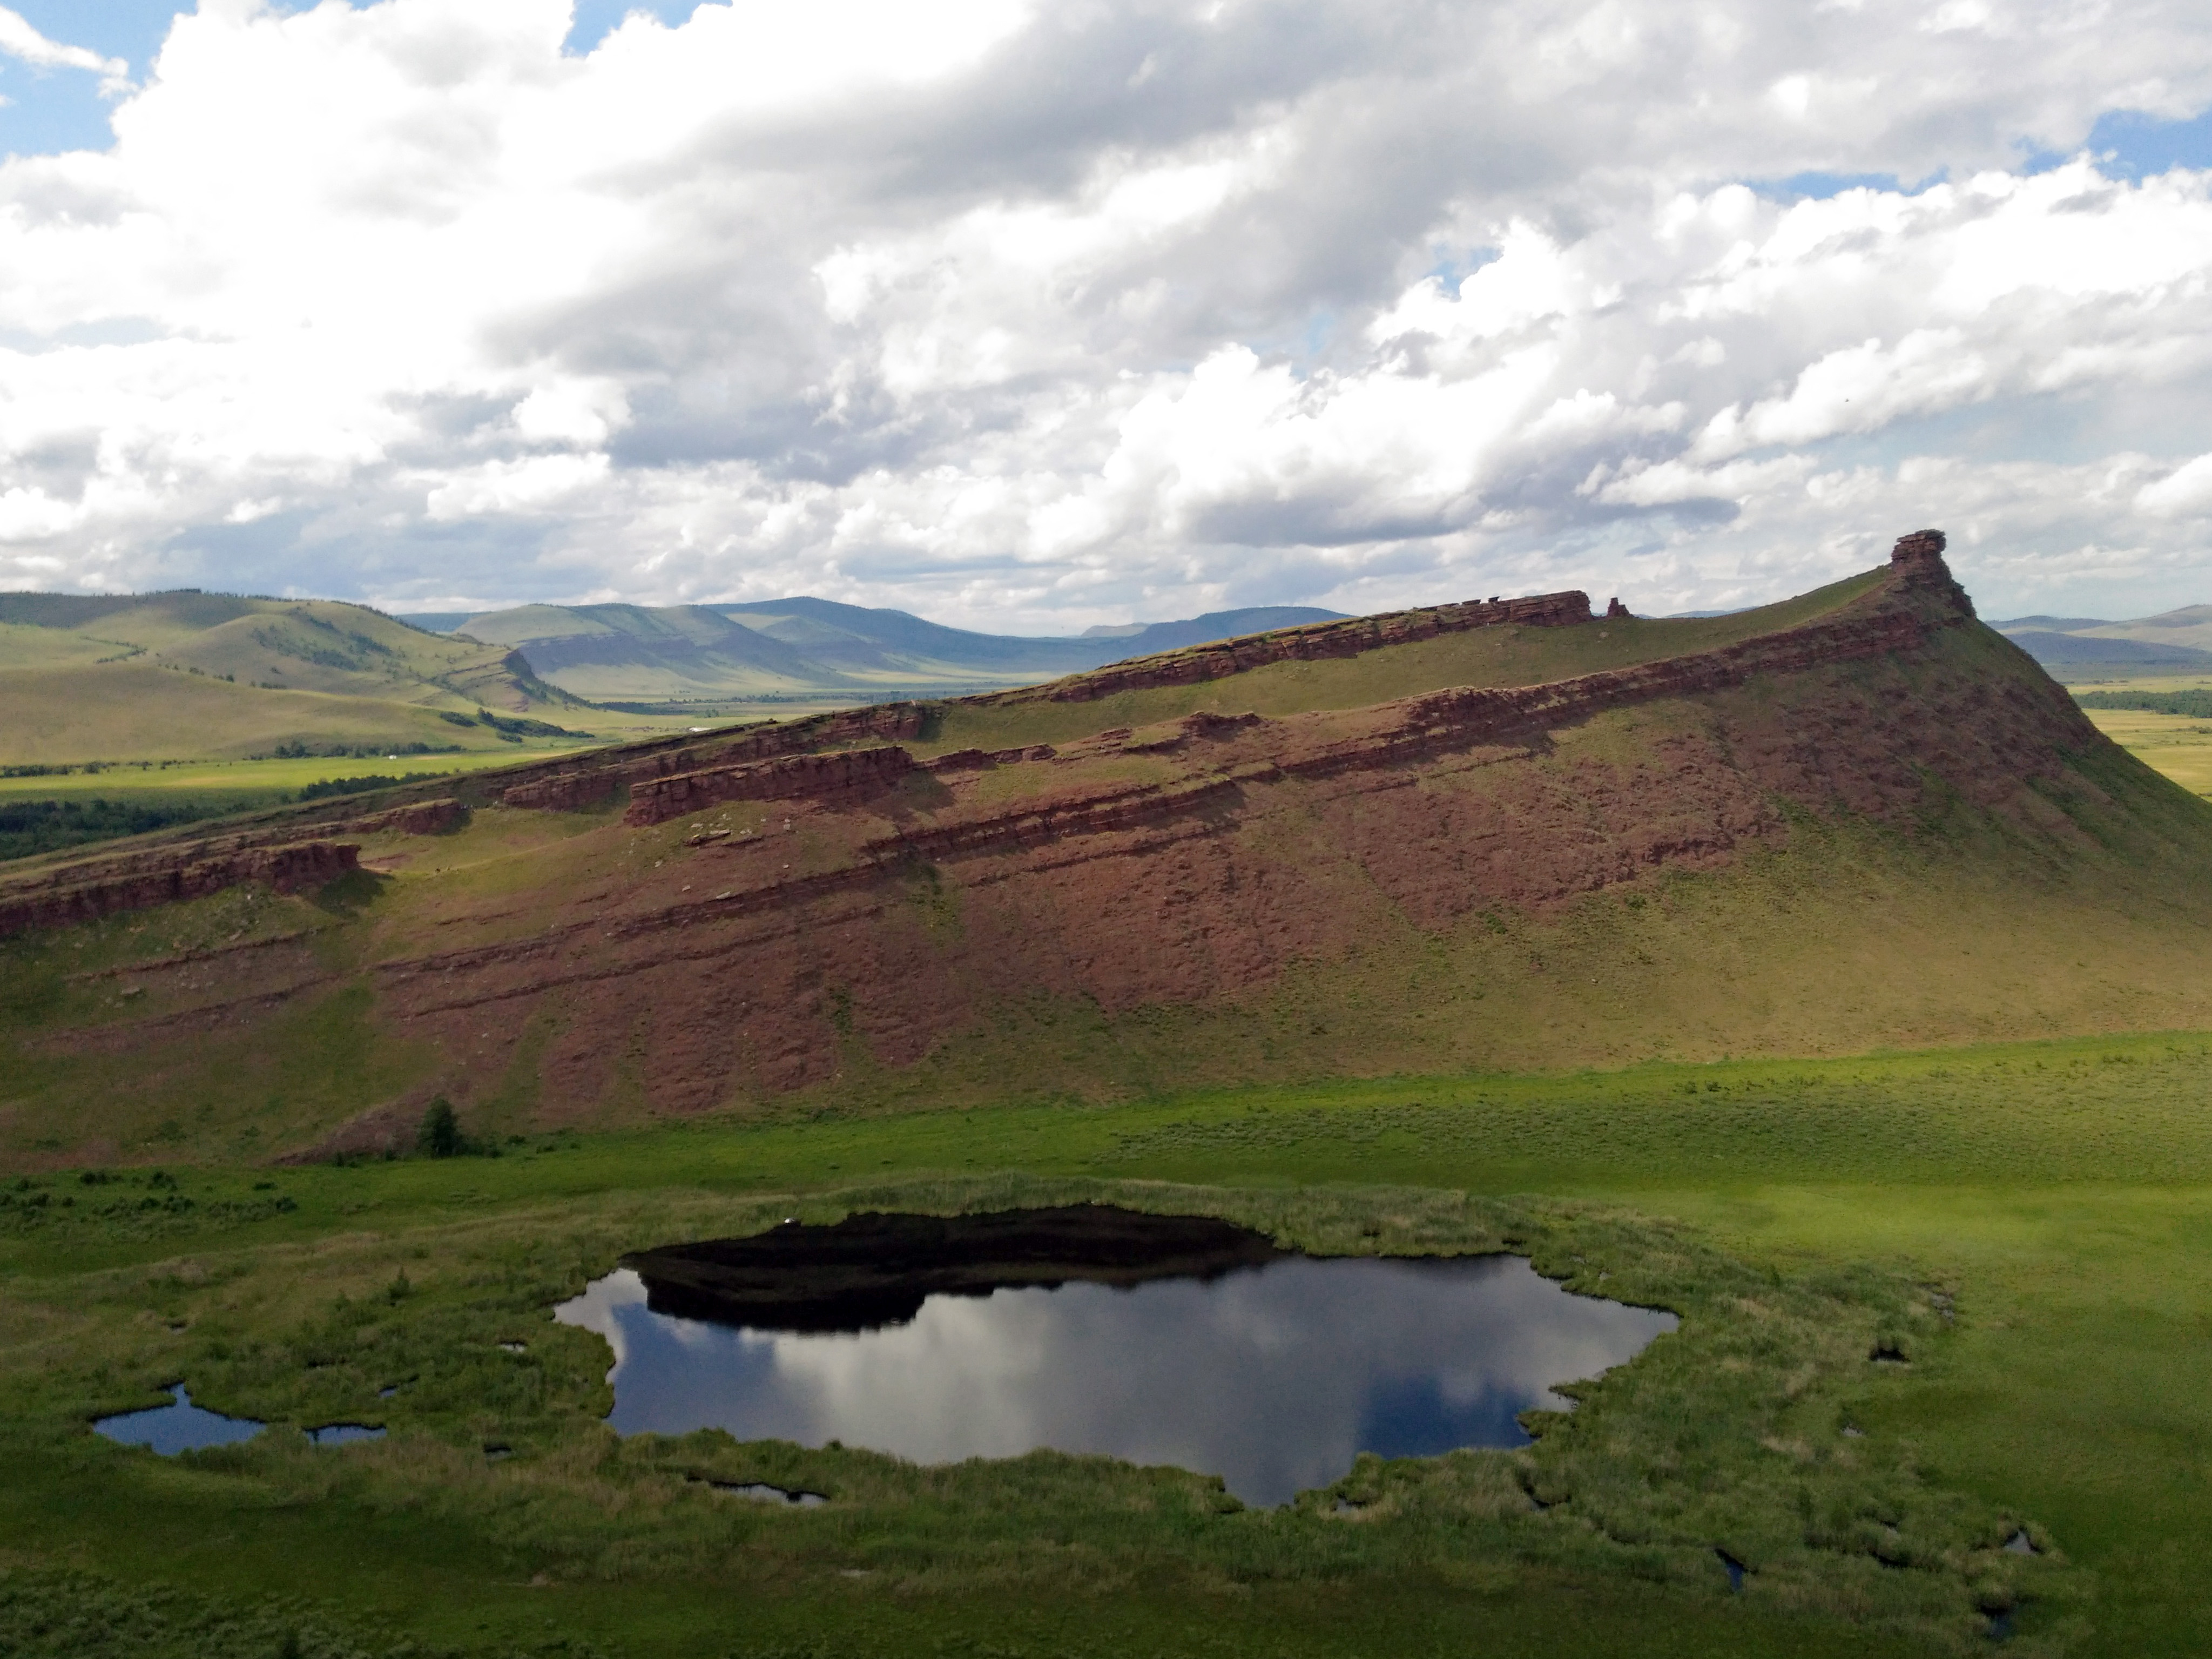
[{"x": 351, "y": 893}]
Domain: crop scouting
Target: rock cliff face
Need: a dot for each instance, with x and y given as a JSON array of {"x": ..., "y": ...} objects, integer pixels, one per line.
[
  {"x": 289, "y": 858},
  {"x": 1315, "y": 643},
  {"x": 591, "y": 779},
  {"x": 826, "y": 778},
  {"x": 163, "y": 881},
  {"x": 774, "y": 906}
]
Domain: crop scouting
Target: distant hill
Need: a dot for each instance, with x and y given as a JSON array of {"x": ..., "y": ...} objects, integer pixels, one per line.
[
  {"x": 797, "y": 646},
  {"x": 2180, "y": 640},
  {"x": 2191, "y": 626},
  {"x": 186, "y": 674},
  {"x": 2049, "y": 624}
]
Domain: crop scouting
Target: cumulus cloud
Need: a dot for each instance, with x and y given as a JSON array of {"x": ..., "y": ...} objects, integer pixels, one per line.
[{"x": 1034, "y": 316}]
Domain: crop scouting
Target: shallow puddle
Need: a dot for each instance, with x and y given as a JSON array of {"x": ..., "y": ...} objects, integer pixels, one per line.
[
  {"x": 760, "y": 1491},
  {"x": 181, "y": 1426},
  {"x": 1157, "y": 1340},
  {"x": 341, "y": 1434}
]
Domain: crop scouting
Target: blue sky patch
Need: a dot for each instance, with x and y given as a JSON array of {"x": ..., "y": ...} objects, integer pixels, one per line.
[
  {"x": 1820, "y": 186},
  {"x": 597, "y": 19},
  {"x": 53, "y": 110},
  {"x": 50, "y": 111},
  {"x": 2140, "y": 146}
]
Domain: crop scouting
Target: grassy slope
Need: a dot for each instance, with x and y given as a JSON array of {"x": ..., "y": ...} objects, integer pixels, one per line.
[
  {"x": 22, "y": 645},
  {"x": 675, "y": 648},
  {"x": 713, "y": 655},
  {"x": 1483, "y": 657},
  {"x": 69, "y": 813},
  {"x": 1917, "y": 945},
  {"x": 202, "y": 675},
  {"x": 137, "y": 711}
]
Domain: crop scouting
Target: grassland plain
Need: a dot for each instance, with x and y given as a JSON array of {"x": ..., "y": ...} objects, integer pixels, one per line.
[
  {"x": 2051, "y": 1286},
  {"x": 45, "y": 809},
  {"x": 2177, "y": 745}
]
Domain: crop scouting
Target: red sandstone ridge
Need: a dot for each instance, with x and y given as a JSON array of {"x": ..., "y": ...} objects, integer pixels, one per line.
[
  {"x": 775, "y": 905},
  {"x": 1262, "y": 843},
  {"x": 1400, "y": 732}
]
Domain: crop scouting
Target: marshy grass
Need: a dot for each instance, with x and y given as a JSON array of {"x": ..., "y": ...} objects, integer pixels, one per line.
[{"x": 1724, "y": 1436}]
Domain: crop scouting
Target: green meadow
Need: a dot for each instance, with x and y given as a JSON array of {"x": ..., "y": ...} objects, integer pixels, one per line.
[
  {"x": 2029, "y": 1226},
  {"x": 48, "y": 809}
]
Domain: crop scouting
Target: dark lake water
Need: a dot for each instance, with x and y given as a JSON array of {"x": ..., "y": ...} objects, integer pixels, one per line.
[{"x": 1175, "y": 1341}]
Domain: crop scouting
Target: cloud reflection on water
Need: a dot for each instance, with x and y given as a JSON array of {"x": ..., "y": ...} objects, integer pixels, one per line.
[{"x": 1271, "y": 1377}]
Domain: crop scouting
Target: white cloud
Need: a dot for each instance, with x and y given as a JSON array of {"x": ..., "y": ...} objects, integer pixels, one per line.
[
  {"x": 1030, "y": 317},
  {"x": 2186, "y": 492},
  {"x": 18, "y": 40}
]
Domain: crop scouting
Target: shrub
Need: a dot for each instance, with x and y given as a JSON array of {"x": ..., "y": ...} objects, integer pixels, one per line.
[{"x": 440, "y": 1134}]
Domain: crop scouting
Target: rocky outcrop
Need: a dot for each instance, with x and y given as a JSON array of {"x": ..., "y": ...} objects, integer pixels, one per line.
[
  {"x": 829, "y": 778},
  {"x": 1442, "y": 720},
  {"x": 422, "y": 818},
  {"x": 1922, "y": 550},
  {"x": 287, "y": 869},
  {"x": 287, "y": 856},
  {"x": 1415, "y": 729},
  {"x": 592, "y": 780},
  {"x": 1056, "y": 820},
  {"x": 1315, "y": 643},
  {"x": 976, "y": 760}
]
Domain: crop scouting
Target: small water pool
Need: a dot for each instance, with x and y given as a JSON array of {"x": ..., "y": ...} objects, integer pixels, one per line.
[
  {"x": 342, "y": 1434},
  {"x": 1154, "y": 1339},
  {"x": 181, "y": 1426}
]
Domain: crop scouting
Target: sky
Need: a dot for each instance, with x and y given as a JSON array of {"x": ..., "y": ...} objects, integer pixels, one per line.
[{"x": 1029, "y": 316}]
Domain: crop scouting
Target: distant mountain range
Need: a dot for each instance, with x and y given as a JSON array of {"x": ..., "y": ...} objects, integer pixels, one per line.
[
  {"x": 2177, "y": 640},
  {"x": 804, "y": 648}
]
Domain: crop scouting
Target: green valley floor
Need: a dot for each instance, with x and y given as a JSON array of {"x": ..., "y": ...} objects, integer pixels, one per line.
[{"x": 2029, "y": 1224}]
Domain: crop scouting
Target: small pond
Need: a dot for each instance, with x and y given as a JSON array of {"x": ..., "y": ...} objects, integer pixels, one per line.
[
  {"x": 1156, "y": 1339},
  {"x": 182, "y": 1427}
]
